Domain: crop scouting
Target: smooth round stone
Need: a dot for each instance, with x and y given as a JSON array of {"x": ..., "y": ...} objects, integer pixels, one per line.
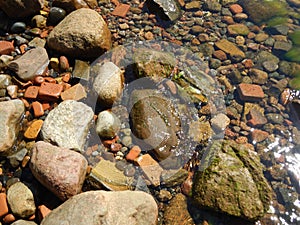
[
  {"x": 39, "y": 21},
  {"x": 56, "y": 15},
  {"x": 18, "y": 27}
]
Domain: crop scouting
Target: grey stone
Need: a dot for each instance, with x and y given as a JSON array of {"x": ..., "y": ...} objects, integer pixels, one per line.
[
  {"x": 5, "y": 80},
  {"x": 18, "y": 27},
  {"x": 56, "y": 15},
  {"x": 107, "y": 125},
  {"x": 81, "y": 70},
  {"x": 37, "y": 42},
  {"x": 32, "y": 63},
  {"x": 20, "y": 200},
  {"x": 212, "y": 5},
  {"x": 10, "y": 116},
  {"x": 220, "y": 122},
  {"x": 278, "y": 29},
  {"x": 60, "y": 170},
  {"x": 101, "y": 207},
  {"x": 231, "y": 180},
  {"x": 23, "y": 222},
  {"x": 68, "y": 124},
  {"x": 17, "y": 157},
  {"x": 275, "y": 118},
  {"x": 166, "y": 9},
  {"x": 282, "y": 46},
  {"x": 82, "y": 34},
  {"x": 108, "y": 82},
  {"x": 21, "y": 8},
  {"x": 258, "y": 76},
  {"x": 270, "y": 66}
]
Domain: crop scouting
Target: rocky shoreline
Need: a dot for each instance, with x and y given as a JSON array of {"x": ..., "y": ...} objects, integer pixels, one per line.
[{"x": 180, "y": 113}]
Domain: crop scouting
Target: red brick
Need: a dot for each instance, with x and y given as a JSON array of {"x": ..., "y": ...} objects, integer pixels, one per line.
[
  {"x": 6, "y": 47},
  {"x": 39, "y": 79},
  {"x": 37, "y": 109},
  {"x": 31, "y": 92},
  {"x": 133, "y": 153},
  {"x": 250, "y": 92},
  {"x": 43, "y": 211},
  {"x": 236, "y": 8},
  {"x": 256, "y": 118},
  {"x": 259, "y": 135},
  {"x": 121, "y": 10},
  {"x": 9, "y": 218},
  {"x": 50, "y": 91},
  {"x": 3, "y": 205}
]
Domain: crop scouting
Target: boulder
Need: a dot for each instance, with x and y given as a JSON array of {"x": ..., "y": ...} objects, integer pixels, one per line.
[
  {"x": 10, "y": 116},
  {"x": 230, "y": 180},
  {"x": 60, "y": 170},
  {"x": 82, "y": 34},
  {"x": 68, "y": 124},
  {"x": 101, "y": 208},
  {"x": 21, "y": 8}
]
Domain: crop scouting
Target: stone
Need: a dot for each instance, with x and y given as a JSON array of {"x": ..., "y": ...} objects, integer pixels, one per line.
[
  {"x": 258, "y": 76},
  {"x": 258, "y": 135},
  {"x": 32, "y": 63},
  {"x": 177, "y": 212},
  {"x": 68, "y": 124},
  {"x": 238, "y": 29},
  {"x": 193, "y": 5},
  {"x": 230, "y": 48},
  {"x": 275, "y": 118},
  {"x": 220, "y": 122},
  {"x": 76, "y": 92},
  {"x": 11, "y": 113},
  {"x": 21, "y": 8},
  {"x": 282, "y": 47},
  {"x": 23, "y": 222},
  {"x": 250, "y": 92},
  {"x": 108, "y": 125},
  {"x": 219, "y": 54},
  {"x": 108, "y": 82},
  {"x": 171, "y": 178},
  {"x": 270, "y": 66},
  {"x": 37, "y": 42},
  {"x": 21, "y": 200},
  {"x": 120, "y": 207},
  {"x": 32, "y": 92},
  {"x": 168, "y": 10},
  {"x": 9, "y": 218},
  {"x": 231, "y": 180},
  {"x": 17, "y": 157},
  {"x": 256, "y": 118},
  {"x": 200, "y": 131},
  {"x": 121, "y": 10},
  {"x": 60, "y": 170},
  {"x": 153, "y": 131},
  {"x": 151, "y": 169},
  {"x": 39, "y": 21},
  {"x": 236, "y": 8},
  {"x": 12, "y": 91},
  {"x": 212, "y": 5},
  {"x": 6, "y": 47},
  {"x": 71, "y": 5},
  {"x": 5, "y": 81},
  {"x": 81, "y": 34},
  {"x": 56, "y": 15},
  {"x": 81, "y": 70},
  {"x": 33, "y": 130},
  {"x": 3, "y": 205},
  {"x": 50, "y": 91},
  {"x": 43, "y": 211}
]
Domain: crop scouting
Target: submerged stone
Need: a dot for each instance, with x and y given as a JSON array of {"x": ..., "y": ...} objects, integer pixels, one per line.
[{"x": 166, "y": 9}]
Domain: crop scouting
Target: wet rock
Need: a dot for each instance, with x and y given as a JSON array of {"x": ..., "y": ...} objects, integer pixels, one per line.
[
  {"x": 275, "y": 118},
  {"x": 82, "y": 34},
  {"x": 230, "y": 180},
  {"x": 258, "y": 76},
  {"x": 171, "y": 178},
  {"x": 281, "y": 47},
  {"x": 256, "y": 117},
  {"x": 212, "y": 5},
  {"x": 124, "y": 207},
  {"x": 56, "y": 15},
  {"x": 220, "y": 122},
  {"x": 280, "y": 29},
  {"x": 71, "y": 5},
  {"x": 18, "y": 27},
  {"x": 107, "y": 125},
  {"x": 108, "y": 82},
  {"x": 259, "y": 135},
  {"x": 60, "y": 170},
  {"x": 68, "y": 124},
  {"x": 16, "y": 158},
  {"x": 154, "y": 123},
  {"x": 23, "y": 222},
  {"x": 200, "y": 131},
  {"x": 6, "y": 47},
  {"x": 250, "y": 92},
  {"x": 10, "y": 116},
  {"x": 238, "y": 29},
  {"x": 230, "y": 48},
  {"x": 20, "y": 200},
  {"x": 81, "y": 70},
  {"x": 76, "y": 92},
  {"x": 22, "y": 8},
  {"x": 32, "y": 63},
  {"x": 166, "y": 9}
]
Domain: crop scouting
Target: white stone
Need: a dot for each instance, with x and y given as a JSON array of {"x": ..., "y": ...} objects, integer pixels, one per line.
[{"x": 108, "y": 124}]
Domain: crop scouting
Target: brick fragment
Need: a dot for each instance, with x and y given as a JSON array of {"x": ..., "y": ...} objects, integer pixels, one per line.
[
  {"x": 133, "y": 153},
  {"x": 31, "y": 92},
  {"x": 236, "y": 8},
  {"x": 6, "y": 47},
  {"x": 3, "y": 205},
  {"x": 250, "y": 92},
  {"x": 121, "y": 10},
  {"x": 37, "y": 109},
  {"x": 50, "y": 91},
  {"x": 33, "y": 130}
]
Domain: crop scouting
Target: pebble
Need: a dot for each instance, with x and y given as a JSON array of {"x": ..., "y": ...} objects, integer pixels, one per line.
[
  {"x": 76, "y": 92},
  {"x": 3, "y": 205},
  {"x": 38, "y": 110},
  {"x": 133, "y": 153},
  {"x": 107, "y": 125},
  {"x": 18, "y": 27},
  {"x": 220, "y": 122},
  {"x": 250, "y": 92},
  {"x": 6, "y": 47},
  {"x": 33, "y": 130},
  {"x": 56, "y": 15}
]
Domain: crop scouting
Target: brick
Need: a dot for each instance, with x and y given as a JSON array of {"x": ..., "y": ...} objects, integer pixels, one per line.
[
  {"x": 133, "y": 153},
  {"x": 9, "y": 218},
  {"x": 256, "y": 118},
  {"x": 250, "y": 92},
  {"x": 33, "y": 130},
  {"x": 50, "y": 91},
  {"x": 31, "y": 92},
  {"x": 3, "y": 205},
  {"x": 6, "y": 47},
  {"x": 236, "y": 8},
  {"x": 37, "y": 109},
  {"x": 38, "y": 80},
  {"x": 43, "y": 211},
  {"x": 259, "y": 135},
  {"x": 121, "y": 10},
  {"x": 151, "y": 169},
  {"x": 76, "y": 92}
]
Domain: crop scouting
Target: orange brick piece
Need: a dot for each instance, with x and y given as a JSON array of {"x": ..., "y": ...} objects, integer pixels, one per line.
[
  {"x": 250, "y": 92},
  {"x": 3, "y": 205},
  {"x": 6, "y": 47},
  {"x": 236, "y": 8},
  {"x": 31, "y": 92},
  {"x": 50, "y": 91},
  {"x": 151, "y": 169},
  {"x": 43, "y": 211},
  {"x": 121, "y": 10},
  {"x": 37, "y": 109},
  {"x": 133, "y": 153},
  {"x": 33, "y": 130}
]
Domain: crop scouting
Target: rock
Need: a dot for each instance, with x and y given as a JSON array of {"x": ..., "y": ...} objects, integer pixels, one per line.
[
  {"x": 11, "y": 113},
  {"x": 71, "y": 5},
  {"x": 108, "y": 82},
  {"x": 60, "y": 170},
  {"x": 238, "y": 29},
  {"x": 275, "y": 118},
  {"x": 167, "y": 9},
  {"x": 177, "y": 212},
  {"x": 21, "y": 8},
  {"x": 3, "y": 205},
  {"x": 108, "y": 125},
  {"x": 16, "y": 158},
  {"x": 193, "y": 5},
  {"x": 230, "y": 48},
  {"x": 68, "y": 124},
  {"x": 280, "y": 29},
  {"x": 82, "y": 34},
  {"x": 270, "y": 66},
  {"x": 281, "y": 47},
  {"x": 258, "y": 76},
  {"x": 256, "y": 117},
  {"x": 212, "y": 5},
  {"x": 81, "y": 70},
  {"x": 200, "y": 131},
  {"x": 6, "y": 47},
  {"x": 34, "y": 62},
  {"x": 23, "y": 222},
  {"x": 259, "y": 135},
  {"x": 123, "y": 207},
  {"x": 20, "y": 200},
  {"x": 56, "y": 15},
  {"x": 231, "y": 181},
  {"x": 76, "y": 92},
  {"x": 250, "y": 92},
  {"x": 220, "y": 122},
  {"x": 171, "y": 178},
  {"x": 154, "y": 123}
]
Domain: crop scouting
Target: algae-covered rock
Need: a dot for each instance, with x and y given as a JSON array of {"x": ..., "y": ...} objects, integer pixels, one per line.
[{"x": 231, "y": 181}]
